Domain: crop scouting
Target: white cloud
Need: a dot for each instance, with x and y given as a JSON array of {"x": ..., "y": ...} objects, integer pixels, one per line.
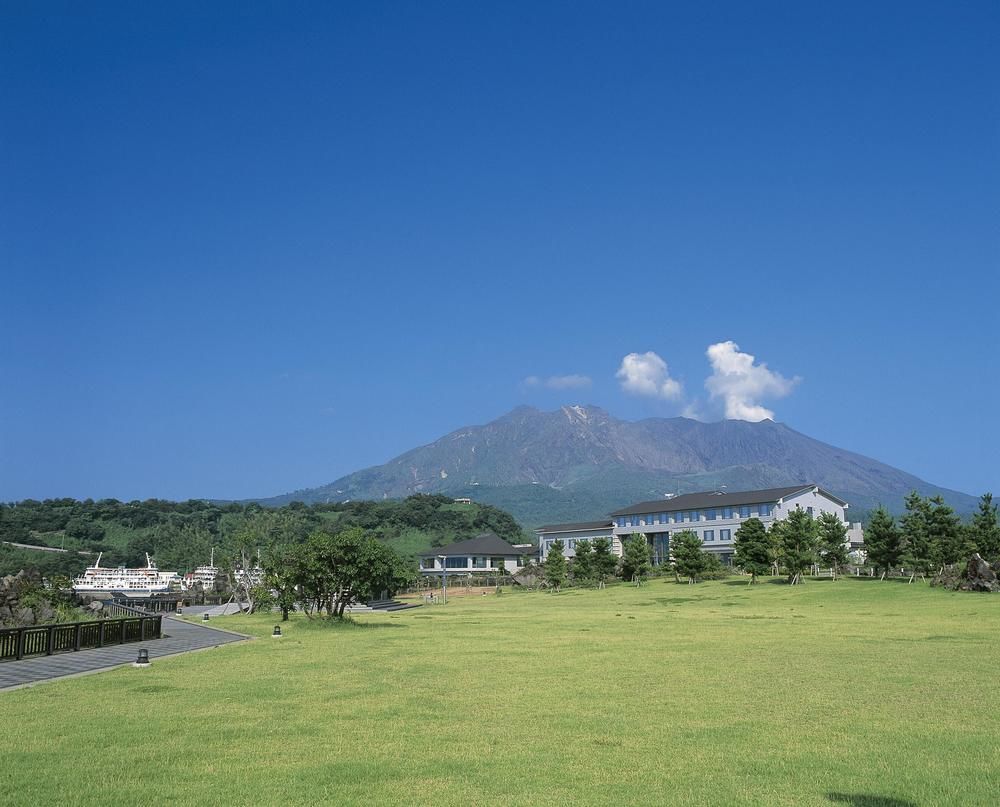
[
  {"x": 647, "y": 374},
  {"x": 742, "y": 384},
  {"x": 573, "y": 381},
  {"x": 693, "y": 411}
]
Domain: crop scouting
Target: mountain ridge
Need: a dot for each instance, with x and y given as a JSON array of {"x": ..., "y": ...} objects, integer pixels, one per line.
[{"x": 594, "y": 462}]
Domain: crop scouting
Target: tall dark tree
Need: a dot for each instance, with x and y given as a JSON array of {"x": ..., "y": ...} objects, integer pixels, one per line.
[
  {"x": 947, "y": 535},
  {"x": 921, "y": 549},
  {"x": 799, "y": 538},
  {"x": 604, "y": 562},
  {"x": 689, "y": 559},
  {"x": 752, "y": 548},
  {"x": 583, "y": 562},
  {"x": 635, "y": 558},
  {"x": 984, "y": 529},
  {"x": 883, "y": 541},
  {"x": 554, "y": 566},
  {"x": 832, "y": 541}
]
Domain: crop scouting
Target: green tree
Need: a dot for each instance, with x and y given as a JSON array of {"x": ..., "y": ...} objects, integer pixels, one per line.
[
  {"x": 799, "y": 538},
  {"x": 604, "y": 562},
  {"x": 583, "y": 562},
  {"x": 753, "y": 551},
  {"x": 920, "y": 549},
  {"x": 947, "y": 534},
  {"x": 883, "y": 541},
  {"x": 334, "y": 571},
  {"x": 832, "y": 541},
  {"x": 984, "y": 530},
  {"x": 686, "y": 549},
  {"x": 281, "y": 576},
  {"x": 635, "y": 558},
  {"x": 554, "y": 566}
]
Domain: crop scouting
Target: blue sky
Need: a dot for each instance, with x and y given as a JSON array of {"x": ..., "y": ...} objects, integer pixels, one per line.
[{"x": 246, "y": 248}]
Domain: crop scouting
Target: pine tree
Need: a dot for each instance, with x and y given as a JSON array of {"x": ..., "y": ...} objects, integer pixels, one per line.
[
  {"x": 688, "y": 558},
  {"x": 984, "y": 531},
  {"x": 554, "y": 566},
  {"x": 883, "y": 542},
  {"x": 945, "y": 528},
  {"x": 635, "y": 558},
  {"x": 753, "y": 548},
  {"x": 920, "y": 549},
  {"x": 603, "y": 561},
  {"x": 799, "y": 537},
  {"x": 832, "y": 541},
  {"x": 583, "y": 562}
]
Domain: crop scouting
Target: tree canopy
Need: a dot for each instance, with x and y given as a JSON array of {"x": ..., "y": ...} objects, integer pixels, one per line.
[
  {"x": 752, "y": 548},
  {"x": 688, "y": 557},
  {"x": 635, "y": 558}
]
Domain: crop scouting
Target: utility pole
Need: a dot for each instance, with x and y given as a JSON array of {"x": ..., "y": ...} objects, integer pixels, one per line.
[{"x": 444, "y": 580}]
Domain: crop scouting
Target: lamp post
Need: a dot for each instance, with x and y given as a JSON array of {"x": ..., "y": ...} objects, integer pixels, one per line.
[{"x": 444, "y": 580}]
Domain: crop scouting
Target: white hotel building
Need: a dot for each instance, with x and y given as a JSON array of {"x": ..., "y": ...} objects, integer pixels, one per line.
[{"x": 714, "y": 516}]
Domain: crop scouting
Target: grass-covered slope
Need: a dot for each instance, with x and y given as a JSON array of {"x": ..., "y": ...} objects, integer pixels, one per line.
[
  {"x": 181, "y": 535},
  {"x": 854, "y": 692}
]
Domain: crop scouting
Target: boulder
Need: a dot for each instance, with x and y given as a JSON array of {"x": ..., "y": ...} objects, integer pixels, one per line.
[{"x": 978, "y": 576}]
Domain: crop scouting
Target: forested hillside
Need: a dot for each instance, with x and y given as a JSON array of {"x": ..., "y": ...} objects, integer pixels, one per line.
[{"x": 181, "y": 535}]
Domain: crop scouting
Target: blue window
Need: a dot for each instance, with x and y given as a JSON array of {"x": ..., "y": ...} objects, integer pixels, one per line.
[
  {"x": 479, "y": 563},
  {"x": 724, "y": 535},
  {"x": 727, "y": 512},
  {"x": 764, "y": 509},
  {"x": 696, "y": 515},
  {"x": 710, "y": 515},
  {"x": 663, "y": 518},
  {"x": 456, "y": 563},
  {"x": 634, "y": 521},
  {"x": 809, "y": 510},
  {"x": 427, "y": 563},
  {"x": 745, "y": 511},
  {"x": 679, "y": 518},
  {"x": 709, "y": 535}
]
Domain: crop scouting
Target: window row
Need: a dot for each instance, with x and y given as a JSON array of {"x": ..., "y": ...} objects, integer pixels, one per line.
[
  {"x": 692, "y": 516},
  {"x": 466, "y": 562}
]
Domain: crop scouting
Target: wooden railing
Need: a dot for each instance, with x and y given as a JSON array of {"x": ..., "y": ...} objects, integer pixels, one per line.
[
  {"x": 114, "y": 609},
  {"x": 44, "y": 640}
]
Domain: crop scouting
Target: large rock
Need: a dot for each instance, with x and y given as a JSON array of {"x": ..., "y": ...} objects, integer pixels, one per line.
[{"x": 978, "y": 576}]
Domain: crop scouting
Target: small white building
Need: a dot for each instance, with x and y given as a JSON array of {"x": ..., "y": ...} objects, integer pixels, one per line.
[
  {"x": 480, "y": 555},
  {"x": 572, "y": 534}
]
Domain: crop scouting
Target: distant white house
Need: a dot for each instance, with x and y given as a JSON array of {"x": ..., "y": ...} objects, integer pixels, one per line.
[
  {"x": 480, "y": 555},
  {"x": 714, "y": 516}
]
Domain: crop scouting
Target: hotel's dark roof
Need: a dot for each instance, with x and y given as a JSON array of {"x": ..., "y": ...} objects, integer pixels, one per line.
[
  {"x": 485, "y": 544},
  {"x": 580, "y": 525},
  {"x": 713, "y": 498}
]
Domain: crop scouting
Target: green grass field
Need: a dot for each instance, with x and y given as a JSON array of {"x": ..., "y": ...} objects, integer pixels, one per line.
[{"x": 854, "y": 692}]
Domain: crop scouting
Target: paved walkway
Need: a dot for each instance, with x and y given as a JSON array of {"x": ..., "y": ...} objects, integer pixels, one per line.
[
  {"x": 178, "y": 637},
  {"x": 215, "y": 610}
]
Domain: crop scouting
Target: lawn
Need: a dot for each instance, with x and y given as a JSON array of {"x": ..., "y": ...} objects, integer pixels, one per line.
[{"x": 854, "y": 692}]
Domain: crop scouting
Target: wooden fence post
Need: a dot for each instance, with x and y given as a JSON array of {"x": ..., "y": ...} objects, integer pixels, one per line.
[{"x": 76, "y": 636}]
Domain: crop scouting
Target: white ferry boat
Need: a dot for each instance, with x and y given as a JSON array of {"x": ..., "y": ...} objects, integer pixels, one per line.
[
  {"x": 132, "y": 582},
  {"x": 206, "y": 575}
]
